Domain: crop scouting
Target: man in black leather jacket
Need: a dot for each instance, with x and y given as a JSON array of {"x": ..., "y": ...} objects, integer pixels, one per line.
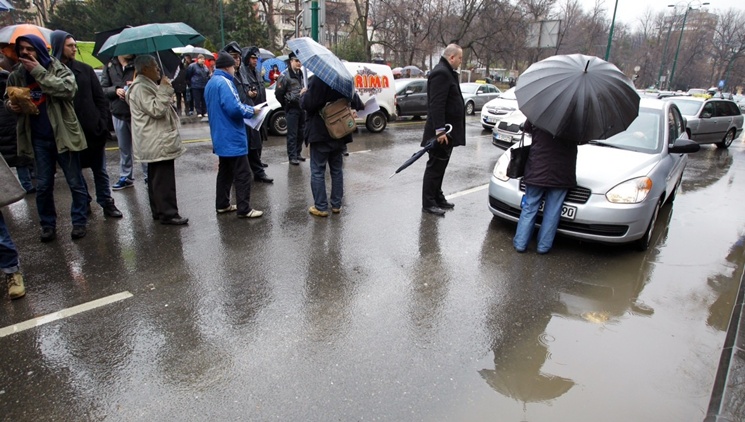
[{"x": 289, "y": 89}]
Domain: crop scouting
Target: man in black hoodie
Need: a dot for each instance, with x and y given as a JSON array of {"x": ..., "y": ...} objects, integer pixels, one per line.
[{"x": 91, "y": 104}]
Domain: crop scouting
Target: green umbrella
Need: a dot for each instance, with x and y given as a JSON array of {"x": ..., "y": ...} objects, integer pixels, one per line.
[{"x": 151, "y": 38}]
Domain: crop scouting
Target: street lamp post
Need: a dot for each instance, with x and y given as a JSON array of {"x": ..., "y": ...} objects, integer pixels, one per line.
[
  {"x": 610, "y": 35},
  {"x": 680, "y": 38},
  {"x": 664, "y": 54}
]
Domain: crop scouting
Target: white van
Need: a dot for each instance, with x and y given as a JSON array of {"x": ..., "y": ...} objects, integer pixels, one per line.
[{"x": 369, "y": 79}]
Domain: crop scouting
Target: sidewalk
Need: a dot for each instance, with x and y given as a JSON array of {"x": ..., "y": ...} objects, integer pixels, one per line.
[{"x": 727, "y": 402}]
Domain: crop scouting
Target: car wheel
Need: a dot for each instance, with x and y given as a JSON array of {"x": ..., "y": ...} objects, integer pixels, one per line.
[
  {"x": 470, "y": 109},
  {"x": 278, "y": 123},
  {"x": 376, "y": 122},
  {"x": 643, "y": 243},
  {"x": 727, "y": 141}
]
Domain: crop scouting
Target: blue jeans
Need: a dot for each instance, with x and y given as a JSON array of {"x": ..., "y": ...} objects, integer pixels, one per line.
[
  {"x": 123, "y": 129},
  {"x": 8, "y": 252},
  {"x": 47, "y": 159},
  {"x": 295, "y": 130},
  {"x": 554, "y": 198},
  {"x": 321, "y": 153},
  {"x": 24, "y": 176}
]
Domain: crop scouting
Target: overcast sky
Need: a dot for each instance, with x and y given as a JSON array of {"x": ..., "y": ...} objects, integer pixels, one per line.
[{"x": 629, "y": 11}]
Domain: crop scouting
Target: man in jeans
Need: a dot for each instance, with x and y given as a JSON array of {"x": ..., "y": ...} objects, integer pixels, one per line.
[
  {"x": 289, "y": 89},
  {"x": 117, "y": 77},
  {"x": 54, "y": 136},
  {"x": 90, "y": 103}
]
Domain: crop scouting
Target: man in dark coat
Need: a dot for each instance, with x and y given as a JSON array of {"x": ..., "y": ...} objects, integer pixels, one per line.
[
  {"x": 251, "y": 75},
  {"x": 549, "y": 174},
  {"x": 445, "y": 106},
  {"x": 91, "y": 105},
  {"x": 290, "y": 88},
  {"x": 118, "y": 75},
  {"x": 241, "y": 80},
  {"x": 323, "y": 148}
]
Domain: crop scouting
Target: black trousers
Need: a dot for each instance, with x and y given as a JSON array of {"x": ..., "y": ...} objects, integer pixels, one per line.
[
  {"x": 233, "y": 171},
  {"x": 255, "y": 145},
  {"x": 439, "y": 157},
  {"x": 161, "y": 189}
]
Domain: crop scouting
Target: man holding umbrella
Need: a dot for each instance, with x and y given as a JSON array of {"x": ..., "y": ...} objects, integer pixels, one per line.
[
  {"x": 54, "y": 136},
  {"x": 445, "y": 106}
]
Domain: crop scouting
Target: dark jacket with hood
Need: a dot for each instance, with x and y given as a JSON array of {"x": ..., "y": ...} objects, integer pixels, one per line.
[
  {"x": 253, "y": 76},
  {"x": 445, "y": 104},
  {"x": 53, "y": 89},
  {"x": 8, "y": 140},
  {"x": 115, "y": 76},
  {"x": 245, "y": 79},
  {"x": 314, "y": 99},
  {"x": 91, "y": 105},
  {"x": 552, "y": 162}
]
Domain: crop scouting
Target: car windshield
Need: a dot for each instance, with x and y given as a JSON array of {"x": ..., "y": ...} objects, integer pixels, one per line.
[
  {"x": 688, "y": 107},
  {"x": 469, "y": 88},
  {"x": 644, "y": 134}
]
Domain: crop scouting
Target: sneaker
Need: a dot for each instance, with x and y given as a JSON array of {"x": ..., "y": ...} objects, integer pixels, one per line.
[
  {"x": 110, "y": 210},
  {"x": 252, "y": 214},
  {"x": 16, "y": 289},
  {"x": 78, "y": 232},
  {"x": 123, "y": 183},
  {"x": 318, "y": 213},
  {"x": 336, "y": 210},
  {"x": 48, "y": 234},
  {"x": 230, "y": 208}
]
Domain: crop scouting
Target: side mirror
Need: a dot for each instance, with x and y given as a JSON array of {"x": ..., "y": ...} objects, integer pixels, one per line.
[
  {"x": 683, "y": 146},
  {"x": 408, "y": 92},
  {"x": 705, "y": 115}
]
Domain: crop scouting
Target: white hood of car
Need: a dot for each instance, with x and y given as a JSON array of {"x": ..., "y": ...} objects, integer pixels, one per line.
[{"x": 601, "y": 168}]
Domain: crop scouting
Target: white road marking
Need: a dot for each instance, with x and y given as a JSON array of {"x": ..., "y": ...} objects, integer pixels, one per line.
[
  {"x": 35, "y": 322},
  {"x": 467, "y": 191}
]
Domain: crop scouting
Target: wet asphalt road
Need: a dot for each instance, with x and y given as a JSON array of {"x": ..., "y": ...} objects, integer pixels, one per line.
[{"x": 379, "y": 313}]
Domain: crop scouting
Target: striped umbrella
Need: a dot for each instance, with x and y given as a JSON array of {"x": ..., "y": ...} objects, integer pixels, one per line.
[{"x": 324, "y": 64}]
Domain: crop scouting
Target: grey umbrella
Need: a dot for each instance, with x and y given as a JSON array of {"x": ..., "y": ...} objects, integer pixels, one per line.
[{"x": 577, "y": 97}]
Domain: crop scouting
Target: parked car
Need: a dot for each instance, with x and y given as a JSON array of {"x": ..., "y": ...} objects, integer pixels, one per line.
[
  {"x": 622, "y": 181},
  {"x": 370, "y": 80},
  {"x": 411, "y": 97},
  {"x": 499, "y": 108},
  {"x": 699, "y": 92},
  {"x": 509, "y": 130},
  {"x": 476, "y": 95},
  {"x": 712, "y": 120},
  {"x": 740, "y": 100}
]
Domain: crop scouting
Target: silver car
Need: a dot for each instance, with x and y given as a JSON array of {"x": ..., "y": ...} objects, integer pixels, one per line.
[
  {"x": 476, "y": 95},
  {"x": 711, "y": 121},
  {"x": 622, "y": 181}
]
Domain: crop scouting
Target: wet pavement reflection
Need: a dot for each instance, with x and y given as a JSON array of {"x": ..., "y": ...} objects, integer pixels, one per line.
[{"x": 380, "y": 312}]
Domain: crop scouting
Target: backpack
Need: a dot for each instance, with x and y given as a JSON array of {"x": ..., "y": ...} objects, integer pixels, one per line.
[{"x": 338, "y": 118}]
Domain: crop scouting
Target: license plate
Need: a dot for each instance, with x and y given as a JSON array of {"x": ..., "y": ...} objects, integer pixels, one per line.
[
  {"x": 568, "y": 212},
  {"x": 490, "y": 119},
  {"x": 501, "y": 137}
]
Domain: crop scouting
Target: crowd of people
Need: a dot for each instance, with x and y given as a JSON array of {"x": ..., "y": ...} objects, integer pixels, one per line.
[{"x": 71, "y": 128}]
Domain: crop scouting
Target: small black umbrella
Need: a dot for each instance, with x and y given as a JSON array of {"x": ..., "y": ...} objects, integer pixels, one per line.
[
  {"x": 428, "y": 146},
  {"x": 577, "y": 97}
]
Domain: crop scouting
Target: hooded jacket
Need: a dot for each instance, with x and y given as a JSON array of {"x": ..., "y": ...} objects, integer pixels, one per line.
[
  {"x": 155, "y": 135},
  {"x": 226, "y": 113},
  {"x": 90, "y": 102},
  {"x": 58, "y": 87}
]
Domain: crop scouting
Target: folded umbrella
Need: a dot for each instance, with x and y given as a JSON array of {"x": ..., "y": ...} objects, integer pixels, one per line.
[
  {"x": 324, "y": 64},
  {"x": 431, "y": 143},
  {"x": 577, "y": 97}
]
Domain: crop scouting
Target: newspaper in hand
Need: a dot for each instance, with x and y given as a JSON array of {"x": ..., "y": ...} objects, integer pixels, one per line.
[{"x": 260, "y": 113}]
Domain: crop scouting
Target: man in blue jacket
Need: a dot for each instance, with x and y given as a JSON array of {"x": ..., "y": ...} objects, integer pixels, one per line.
[{"x": 229, "y": 141}]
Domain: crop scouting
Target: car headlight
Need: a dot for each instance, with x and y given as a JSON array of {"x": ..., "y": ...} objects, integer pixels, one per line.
[
  {"x": 631, "y": 191},
  {"x": 500, "y": 169}
]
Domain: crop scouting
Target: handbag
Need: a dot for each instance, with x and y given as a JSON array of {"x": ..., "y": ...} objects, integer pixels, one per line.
[
  {"x": 518, "y": 159},
  {"x": 338, "y": 118},
  {"x": 10, "y": 188}
]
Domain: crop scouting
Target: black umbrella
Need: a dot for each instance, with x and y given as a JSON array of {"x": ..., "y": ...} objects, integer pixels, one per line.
[
  {"x": 577, "y": 97},
  {"x": 101, "y": 38},
  {"x": 428, "y": 146}
]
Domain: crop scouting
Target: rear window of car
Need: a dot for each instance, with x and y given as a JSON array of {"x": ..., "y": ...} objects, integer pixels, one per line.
[{"x": 688, "y": 107}]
